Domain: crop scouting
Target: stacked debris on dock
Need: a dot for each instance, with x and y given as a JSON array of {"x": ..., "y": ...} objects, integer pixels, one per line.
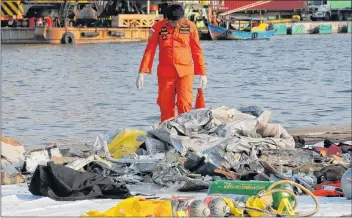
[
  {"x": 12, "y": 160},
  {"x": 189, "y": 153}
]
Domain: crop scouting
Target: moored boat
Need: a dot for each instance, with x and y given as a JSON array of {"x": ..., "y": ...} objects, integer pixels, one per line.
[
  {"x": 220, "y": 33},
  {"x": 255, "y": 29}
]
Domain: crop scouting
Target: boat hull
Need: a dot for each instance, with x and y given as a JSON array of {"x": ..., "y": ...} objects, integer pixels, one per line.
[{"x": 219, "y": 33}]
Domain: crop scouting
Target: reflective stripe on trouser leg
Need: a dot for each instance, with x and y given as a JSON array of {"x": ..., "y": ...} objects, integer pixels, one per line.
[
  {"x": 166, "y": 97},
  {"x": 184, "y": 92}
]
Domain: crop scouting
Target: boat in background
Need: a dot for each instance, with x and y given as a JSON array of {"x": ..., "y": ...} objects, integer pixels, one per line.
[
  {"x": 254, "y": 30},
  {"x": 220, "y": 33}
]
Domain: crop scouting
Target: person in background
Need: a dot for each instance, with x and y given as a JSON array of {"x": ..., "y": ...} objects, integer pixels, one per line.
[{"x": 180, "y": 58}]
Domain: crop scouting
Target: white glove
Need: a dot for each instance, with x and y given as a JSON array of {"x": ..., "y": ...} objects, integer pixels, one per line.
[
  {"x": 140, "y": 81},
  {"x": 203, "y": 81}
]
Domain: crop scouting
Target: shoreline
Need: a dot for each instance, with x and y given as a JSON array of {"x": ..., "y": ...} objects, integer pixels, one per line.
[
  {"x": 92, "y": 35},
  {"x": 311, "y": 134}
]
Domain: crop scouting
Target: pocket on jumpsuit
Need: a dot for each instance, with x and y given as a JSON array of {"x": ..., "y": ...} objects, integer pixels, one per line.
[{"x": 183, "y": 56}]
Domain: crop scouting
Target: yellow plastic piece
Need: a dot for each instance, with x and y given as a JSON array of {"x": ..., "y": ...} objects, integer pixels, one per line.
[
  {"x": 286, "y": 204},
  {"x": 181, "y": 213},
  {"x": 233, "y": 209},
  {"x": 125, "y": 143},
  {"x": 137, "y": 207},
  {"x": 323, "y": 153},
  {"x": 256, "y": 203}
]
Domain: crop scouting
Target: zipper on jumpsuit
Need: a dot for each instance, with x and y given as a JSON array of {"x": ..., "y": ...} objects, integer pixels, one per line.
[
  {"x": 173, "y": 56},
  {"x": 173, "y": 62},
  {"x": 173, "y": 39}
]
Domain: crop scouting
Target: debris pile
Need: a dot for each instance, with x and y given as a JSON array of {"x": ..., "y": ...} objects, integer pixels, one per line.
[
  {"x": 189, "y": 153},
  {"x": 12, "y": 160}
]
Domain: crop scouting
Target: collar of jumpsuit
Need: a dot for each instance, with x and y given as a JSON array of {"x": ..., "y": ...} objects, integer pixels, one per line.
[{"x": 177, "y": 23}]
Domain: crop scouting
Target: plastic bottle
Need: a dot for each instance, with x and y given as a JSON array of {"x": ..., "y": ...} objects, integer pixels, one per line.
[
  {"x": 346, "y": 184},
  {"x": 192, "y": 208},
  {"x": 217, "y": 206}
]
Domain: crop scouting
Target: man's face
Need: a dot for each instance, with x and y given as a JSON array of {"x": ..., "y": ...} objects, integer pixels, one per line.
[{"x": 173, "y": 23}]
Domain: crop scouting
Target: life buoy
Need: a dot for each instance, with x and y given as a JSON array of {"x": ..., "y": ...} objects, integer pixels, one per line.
[
  {"x": 254, "y": 35},
  {"x": 68, "y": 38},
  {"x": 228, "y": 33}
]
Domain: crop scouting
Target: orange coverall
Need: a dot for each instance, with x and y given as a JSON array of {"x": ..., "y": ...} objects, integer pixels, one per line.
[{"x": 180, "y": 57}]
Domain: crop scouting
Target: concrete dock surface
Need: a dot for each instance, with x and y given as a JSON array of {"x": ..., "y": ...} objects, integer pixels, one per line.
[{"x": 18, "y": 201}]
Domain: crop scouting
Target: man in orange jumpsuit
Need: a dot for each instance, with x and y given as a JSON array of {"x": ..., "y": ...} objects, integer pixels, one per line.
[{"x": 180, "y": 57}]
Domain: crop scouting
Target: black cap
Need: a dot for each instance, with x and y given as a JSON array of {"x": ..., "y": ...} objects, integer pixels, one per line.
[{"x": 175, "y": 12}]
